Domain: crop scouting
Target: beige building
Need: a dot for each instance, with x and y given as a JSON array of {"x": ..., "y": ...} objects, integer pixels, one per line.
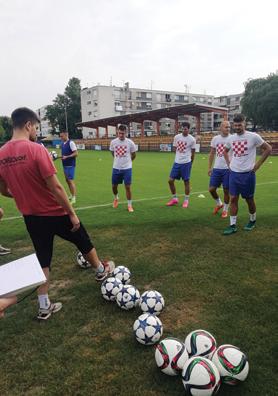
[{"x": 45, "y": 127}]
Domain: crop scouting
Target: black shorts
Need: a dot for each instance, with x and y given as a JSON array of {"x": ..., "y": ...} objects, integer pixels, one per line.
[{"x": 42, "y": 230}]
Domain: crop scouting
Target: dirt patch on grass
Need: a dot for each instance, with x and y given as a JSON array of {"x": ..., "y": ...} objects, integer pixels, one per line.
[
  {"x": 179, "y": 314},
  {"x": 58, "y": 285},
  {"x": 35, "y": 390}
]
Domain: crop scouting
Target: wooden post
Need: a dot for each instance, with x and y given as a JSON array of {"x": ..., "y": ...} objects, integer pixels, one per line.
[
  {"x": 97, "y": 128},
  {"x": 225, "y": 116},
  {"x": 142, "y": 129},
  {"x": 198, "y": 124},
  {"x": 158, "y": 128},
  {"x": 176, "y": 126},
  {"x": 106, "y": 132}
]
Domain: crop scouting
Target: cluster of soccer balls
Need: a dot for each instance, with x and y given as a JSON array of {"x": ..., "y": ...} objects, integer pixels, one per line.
[{"x": 203, "y": 366}]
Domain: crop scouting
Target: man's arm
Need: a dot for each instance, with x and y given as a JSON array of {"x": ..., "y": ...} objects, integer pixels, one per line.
[
  {"x": 61, "y": 197},
  {"x": 227, "y": 159},
  {"x": 211, "y": 158},
  {"x": 4, "y": 189},
  {"x": 266, "y": 150},
  {"x": 133, "y": 156},
  {"x": 192, "y": 155}
]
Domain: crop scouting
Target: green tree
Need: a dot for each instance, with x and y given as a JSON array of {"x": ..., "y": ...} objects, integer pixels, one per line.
[
  {"x": 259, "y": 102},
  {"x": 6, "y": 124},
  {"x": 65, "y": 111}
]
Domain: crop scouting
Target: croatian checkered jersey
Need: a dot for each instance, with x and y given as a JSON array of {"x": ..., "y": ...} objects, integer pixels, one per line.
[
  {"x": 218, "y": 143},
  {"x": 122, "y": 153},
  {"x": 184, "y": 145},
  {"x": 243, "y": 148}
]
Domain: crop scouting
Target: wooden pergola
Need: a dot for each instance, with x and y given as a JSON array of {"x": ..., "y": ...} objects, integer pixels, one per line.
[{"x": 174, "y": 112}]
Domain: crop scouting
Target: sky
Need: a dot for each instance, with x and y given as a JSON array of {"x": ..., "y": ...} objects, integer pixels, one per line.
[{"x": 210, "y": 47}]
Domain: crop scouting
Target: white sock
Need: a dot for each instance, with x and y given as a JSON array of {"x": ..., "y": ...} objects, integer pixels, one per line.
[
  {"x": 226, "y": 207},
  {"x": 233, "y": 220},
  {"x": 129, "y": 202},
  {"x": 100, "y": 268},
  {"x": 218, "y": 201},
  {"x": 174, "y": 196},
  {"x": 44, "y": 301},
  {"x": 252, "y": 216},
  {"x": 116, "y": 196},
  {"x": 186, "y": 197}
]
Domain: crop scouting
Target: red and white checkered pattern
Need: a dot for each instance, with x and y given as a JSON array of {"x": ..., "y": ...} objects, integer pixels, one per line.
[
  {"x": 220, "y": 149},
  {"x": 239, "y": 148},
  {"x": 181, "y": 146},
  {"x": 120, "y": 151}
]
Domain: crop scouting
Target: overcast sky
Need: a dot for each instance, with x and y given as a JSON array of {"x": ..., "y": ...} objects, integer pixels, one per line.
[{"x": 211, "y": 46}]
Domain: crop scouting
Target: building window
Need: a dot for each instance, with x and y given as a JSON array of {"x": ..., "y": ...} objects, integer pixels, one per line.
[
  {"x": 148, "y": 104},
  {"x": 89, "y": 113},
  {"x": 95, "y": 104},
  {"x": 168, "y": 97},
  {"x": 149, "y": 95},
  {"x": 88, "y": 92},
  {"x": 94, "y": 93},
  {"x": 89, "y": 102}
]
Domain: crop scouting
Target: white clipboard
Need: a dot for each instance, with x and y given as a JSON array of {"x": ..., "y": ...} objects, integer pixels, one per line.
[{"x": 20, "y": 275}]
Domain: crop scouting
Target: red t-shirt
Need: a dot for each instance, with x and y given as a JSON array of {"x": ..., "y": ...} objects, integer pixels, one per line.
[{"x": 24, "y": 166}]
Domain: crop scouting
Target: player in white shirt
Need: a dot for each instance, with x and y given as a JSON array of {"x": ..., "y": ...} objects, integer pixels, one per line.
[
  {"x": 124, "y": 152},
  {"x": 219, "y": 173},
  {"x": 243, "y": 166},
  {"x": 185, "y": 146}
]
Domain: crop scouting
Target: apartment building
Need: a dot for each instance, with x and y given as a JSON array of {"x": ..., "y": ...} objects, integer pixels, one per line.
[
  {"x": 232, "y": 102},
  {"x": 45, "y": 127}
]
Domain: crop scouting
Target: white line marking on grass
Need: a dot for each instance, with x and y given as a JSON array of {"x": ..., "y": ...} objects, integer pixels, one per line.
[{"x": 135, "y": 200}]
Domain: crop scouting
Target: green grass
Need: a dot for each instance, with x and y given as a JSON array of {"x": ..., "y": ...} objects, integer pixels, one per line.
[{"x": 223, "y": 284}]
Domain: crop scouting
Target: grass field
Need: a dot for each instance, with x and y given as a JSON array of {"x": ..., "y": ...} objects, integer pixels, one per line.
[{"x": 225, "y": 285}]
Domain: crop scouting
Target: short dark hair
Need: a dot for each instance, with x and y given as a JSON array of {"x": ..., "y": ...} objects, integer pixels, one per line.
[
  {"x": 22, "y": 115},
  {"x": 122, "y": 128},
  {"x": 185, "y": 124},
  {"x": 239, "y": 118}
]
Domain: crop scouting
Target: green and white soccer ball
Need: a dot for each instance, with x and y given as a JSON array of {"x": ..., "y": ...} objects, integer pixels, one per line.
[
  {"x": 171, "y": 356},
  {"x": 200, "y": 343},
  {"x": 232, "y": 364}
]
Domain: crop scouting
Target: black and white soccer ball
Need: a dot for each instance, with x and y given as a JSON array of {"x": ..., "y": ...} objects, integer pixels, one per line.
[
  {"x": 200, "y": 377},
  {"x": 54, "y": 155},
  {"x": 128, "y": 297},
  {"x": 200, "y": 343},
  {"x": 152, "y": 302},
  {"x": 122, "y": 273},
  {"x": 147, "y": 329},
  {"x": 171, "y": 356},
  {"x": 110, "y": 288},
  {"x": 82, "y": 262}
]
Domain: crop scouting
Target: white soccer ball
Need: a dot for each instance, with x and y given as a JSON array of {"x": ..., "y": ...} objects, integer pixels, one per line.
[
  {"x": 170, "y": 356},
  {"x": 54, "y": 155},
  {"x": 200, "y": 343},
  {"x": 128, "y": 297},
  {"x": 147, "y": 329},
  {"x": 232, "y": 364},
  {"x": 122, "y": 273},
  {"x": 152, "y": 302},
  {"x": 200, "y": 377},
  {"x": 110, "y": 288},
  {"x": 82, "y": 262}
]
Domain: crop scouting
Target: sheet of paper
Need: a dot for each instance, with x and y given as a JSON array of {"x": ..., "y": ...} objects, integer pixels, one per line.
[{"x": 20, "y": 275}]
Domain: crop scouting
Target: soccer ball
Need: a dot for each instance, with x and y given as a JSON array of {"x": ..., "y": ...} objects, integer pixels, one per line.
[
  {"x": 122, "y": 273},
  {"x": 152, "y": 302},
  {"x": 110, "y": 288},
  {"x": 128, "y": 297},
  {"x": 54, "y": 155},
  {"x": 170, "y": 356},
  {"x": 147, "y": 329},
  {"x": 82, "y": 262},
  {"x": 200, "y": 343},
  {"x": 232, "y": 364},
  {"x": 200, "y": 377}
]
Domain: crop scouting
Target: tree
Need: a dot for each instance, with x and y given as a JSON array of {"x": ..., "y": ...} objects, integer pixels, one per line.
[
  {"x": 6, "y": 124},
  {"x": 65, "y": 111},
  {"x": 259, "y": 102}
]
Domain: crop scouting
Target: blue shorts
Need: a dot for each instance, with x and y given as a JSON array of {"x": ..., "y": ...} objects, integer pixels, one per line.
[
  {"x": 69, "y": 172},
  {"x": 181, "y": 171},
  {"x": 242, "y": 183},
  {"x": 218, "y": 177},
  {"x": 120, "y": 175}
]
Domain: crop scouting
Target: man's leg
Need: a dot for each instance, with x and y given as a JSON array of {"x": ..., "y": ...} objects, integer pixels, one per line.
[
  {"x": 186, "y": 193},
  {"x": 233, "y": 215},
  {"x": 174, "y": 200},
  {"x": 46, "y": 307},
  {"x": 5, "y": 303},
  {"x": 252, "y": 213},
  {"x": 226, "y": 203},
  {"x": 72, "y": 188},
  {"x": 116, "y": 195},
  {"x": 215, "y": 196},
  {"x": 128, "y": 197}
]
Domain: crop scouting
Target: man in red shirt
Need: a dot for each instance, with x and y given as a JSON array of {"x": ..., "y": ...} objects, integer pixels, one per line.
[{"x": 28, "y": 175}]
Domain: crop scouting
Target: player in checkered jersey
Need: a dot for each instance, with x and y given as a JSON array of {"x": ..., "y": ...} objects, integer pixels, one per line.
[
  {"x": 124, "y": 152},
  {"x": 243, "y": 166},
  {"x": 219, "y": 173},
  {"x": 184, "y": 145}
]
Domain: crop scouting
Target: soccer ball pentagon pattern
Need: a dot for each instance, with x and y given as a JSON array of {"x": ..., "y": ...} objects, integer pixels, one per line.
[
  {"x": 128, "y": 297},
  {"x": 152, "y": 302},
  {"x": 200, "y": 377},
  {"x": 82, "y": 262},
  {"x": 232, "y": 364},
  {"x": 54, "y": 155},
  {"x": 110, "y": 288},
  {"x": 200, "y": 343},
  {"x": 122, "y": 273},
  {"x": 147, "y": 329},
  {"x": 170, "y": 356}
]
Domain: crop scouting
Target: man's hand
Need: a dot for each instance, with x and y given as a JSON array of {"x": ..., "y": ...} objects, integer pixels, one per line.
[
  {"x": 64, "y": 157},
  {"x": 256, "y": 167},
  {"x": 75, "y": 222},
  {"x": 209, "y": 172}
]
